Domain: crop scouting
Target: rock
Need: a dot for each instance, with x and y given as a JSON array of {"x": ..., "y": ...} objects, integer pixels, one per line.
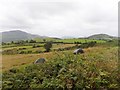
[
  {"x": 79, "y": 50},
  {"x": 40, "y": 60}
]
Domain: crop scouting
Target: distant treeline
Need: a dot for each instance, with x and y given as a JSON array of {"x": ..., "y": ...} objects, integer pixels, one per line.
[{"x": 34, "y": 41}]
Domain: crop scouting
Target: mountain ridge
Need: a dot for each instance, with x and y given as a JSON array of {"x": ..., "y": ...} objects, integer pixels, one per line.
[{"x": 16, "y": 35}]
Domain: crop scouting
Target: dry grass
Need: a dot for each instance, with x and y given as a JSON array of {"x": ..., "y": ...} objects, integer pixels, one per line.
[
  {"x": 62, "y": 46},
  {"x": 10, "y": 61}
]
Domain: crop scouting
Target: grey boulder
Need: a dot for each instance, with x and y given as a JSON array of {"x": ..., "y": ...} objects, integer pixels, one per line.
[
  {"x": 78, "y": 51},
  {"x": 40, "y": 60}
]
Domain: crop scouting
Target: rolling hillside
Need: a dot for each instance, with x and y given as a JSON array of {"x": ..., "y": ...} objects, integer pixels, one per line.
[
  {"x": 101, "y": 36},
  {"x": 17, "y": 35},
  {"x": 20, "y": 35}
]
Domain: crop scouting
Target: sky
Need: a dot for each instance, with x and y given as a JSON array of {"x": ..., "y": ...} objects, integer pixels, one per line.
[{"x": 59, "y": 18}]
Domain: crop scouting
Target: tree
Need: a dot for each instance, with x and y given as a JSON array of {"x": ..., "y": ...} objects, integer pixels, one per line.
[
  {"x": 44, "y": 40},
  {"x": 47, "y": 46},
  {"x": 12, "y": 42},
  {"x": 32, "y": 41}
]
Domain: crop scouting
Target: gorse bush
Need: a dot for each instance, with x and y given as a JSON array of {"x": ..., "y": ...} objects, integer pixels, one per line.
[{"x": 63, "y": 71}]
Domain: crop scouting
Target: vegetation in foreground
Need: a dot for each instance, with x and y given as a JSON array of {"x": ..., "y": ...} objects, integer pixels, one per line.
[{"x": 96, "y": 68}]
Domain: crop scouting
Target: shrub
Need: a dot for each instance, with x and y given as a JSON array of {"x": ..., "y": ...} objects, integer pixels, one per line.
[{"x": 48, "y": 46}]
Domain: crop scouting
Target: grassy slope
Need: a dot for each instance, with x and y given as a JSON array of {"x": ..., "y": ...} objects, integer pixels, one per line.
[
  {"x": 95, "y": 68},
  {"x": 95, "y": 53}
]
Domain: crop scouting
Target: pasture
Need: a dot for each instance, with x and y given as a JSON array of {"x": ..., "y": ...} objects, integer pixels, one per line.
[{"x": 97, "y": 67}]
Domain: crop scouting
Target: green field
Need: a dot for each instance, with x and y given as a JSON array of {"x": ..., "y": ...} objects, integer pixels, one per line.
[{"x": 69, "y": 40}]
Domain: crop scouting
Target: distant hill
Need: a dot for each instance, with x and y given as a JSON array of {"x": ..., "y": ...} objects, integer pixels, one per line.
[
  {"x": 101, "y": 36},
  {"x": 18, "y": 35},
  {"x": 21, "y": 35}
]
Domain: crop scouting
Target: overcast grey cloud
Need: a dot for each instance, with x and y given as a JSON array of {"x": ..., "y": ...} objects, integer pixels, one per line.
[{"x": 60, "y": 17}]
